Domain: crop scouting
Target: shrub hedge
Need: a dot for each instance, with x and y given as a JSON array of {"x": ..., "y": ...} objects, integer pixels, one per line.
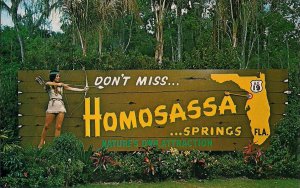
[{"x": 64, "y": 162}]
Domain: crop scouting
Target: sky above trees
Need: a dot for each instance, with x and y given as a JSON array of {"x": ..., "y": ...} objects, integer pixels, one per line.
[
  {"x": 54, "y": 18},
  {"x": 196, "y": 33}
]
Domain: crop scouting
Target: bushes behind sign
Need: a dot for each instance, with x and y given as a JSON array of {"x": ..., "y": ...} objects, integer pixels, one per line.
[
  {"x": 32, "y": 167},
  {"x": 55, "y": 166}
]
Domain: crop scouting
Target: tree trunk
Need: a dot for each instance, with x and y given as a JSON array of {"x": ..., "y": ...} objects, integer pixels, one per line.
[
  {"x": 82, "y": 42},
  {"x": 20, "y": 43},
  {"x": 159, "y": 8},
  {"x": 14, "y": 15},
  {"x": 288, "y": 52},
  {"x": 179, "y": 41},
  {"x": 215, "y": 28},
  {"x": 172, "y": 45},
  {"x": 245, "y": 23},
  {"x": 234, "y": 26},
  {"x": 73, "y": 36},
  {"x": 234, "y": 34},
  {"x": 100, "y": 42},
  {"x": 160, "y": 44},
  {"x": 130, "y": 34}
]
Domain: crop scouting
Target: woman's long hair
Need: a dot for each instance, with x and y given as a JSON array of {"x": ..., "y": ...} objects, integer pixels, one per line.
[
  {"x": 53, "y": 74},
  {"x": 52, "y": 77}
]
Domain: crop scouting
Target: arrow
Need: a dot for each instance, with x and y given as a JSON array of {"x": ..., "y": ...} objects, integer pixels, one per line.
[
  {"x": 249, "y": 95},
  {"x": 99, "y": 87}
]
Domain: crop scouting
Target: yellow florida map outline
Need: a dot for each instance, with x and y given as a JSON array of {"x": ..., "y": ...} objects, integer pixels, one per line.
[{"x": 257, "y": 107}]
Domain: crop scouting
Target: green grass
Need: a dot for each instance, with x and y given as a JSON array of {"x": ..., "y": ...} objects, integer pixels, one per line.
[{"x": 216, "y": 183}]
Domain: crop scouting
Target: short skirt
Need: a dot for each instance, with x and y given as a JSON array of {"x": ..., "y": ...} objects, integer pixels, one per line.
[{"x": 56, "y": 106}]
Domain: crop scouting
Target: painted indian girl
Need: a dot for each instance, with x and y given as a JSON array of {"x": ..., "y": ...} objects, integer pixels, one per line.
[{"x": 56, "y": 108}]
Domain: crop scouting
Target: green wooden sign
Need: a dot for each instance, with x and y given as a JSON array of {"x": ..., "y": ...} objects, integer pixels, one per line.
[{"x": 123, "y": 110}]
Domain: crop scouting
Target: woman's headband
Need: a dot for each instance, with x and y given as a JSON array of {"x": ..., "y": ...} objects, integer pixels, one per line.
[{"x": 54, "y": 72}]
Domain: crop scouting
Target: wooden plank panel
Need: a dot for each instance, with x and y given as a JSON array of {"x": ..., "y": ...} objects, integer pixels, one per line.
[
  {"x": 38, "y": 121},
  {"x": 184, "y": 85},
  {"x": 78, "y": 75},
  {"x": 157, "y": 131},
  {"x": 181, "y": 87},
  {"x": 78, "y": 111},
  {"x": 76, "y": 98},
  {"x": 133, "y": 144}
]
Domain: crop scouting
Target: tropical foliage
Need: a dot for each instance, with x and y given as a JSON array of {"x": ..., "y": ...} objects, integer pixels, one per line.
[{"x": 140, "y": 34}]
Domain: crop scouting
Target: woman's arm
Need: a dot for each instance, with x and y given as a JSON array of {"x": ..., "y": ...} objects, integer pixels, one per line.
[
  {"x": 66, "y": 86},
  {"x": 54, "y": 84},
  {"x": 73, "y": 88}
]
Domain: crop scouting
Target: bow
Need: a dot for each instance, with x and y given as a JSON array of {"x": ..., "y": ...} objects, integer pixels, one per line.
[
  {"x": 86, "y": 83},
  {"x": 41, "y": 82},
  {"x": 85, "y": 92}
]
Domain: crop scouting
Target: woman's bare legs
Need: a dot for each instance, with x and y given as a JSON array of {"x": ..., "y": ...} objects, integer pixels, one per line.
[
  {"x": 59, "y": 121},
  {"x": 48, "y": 120}
]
